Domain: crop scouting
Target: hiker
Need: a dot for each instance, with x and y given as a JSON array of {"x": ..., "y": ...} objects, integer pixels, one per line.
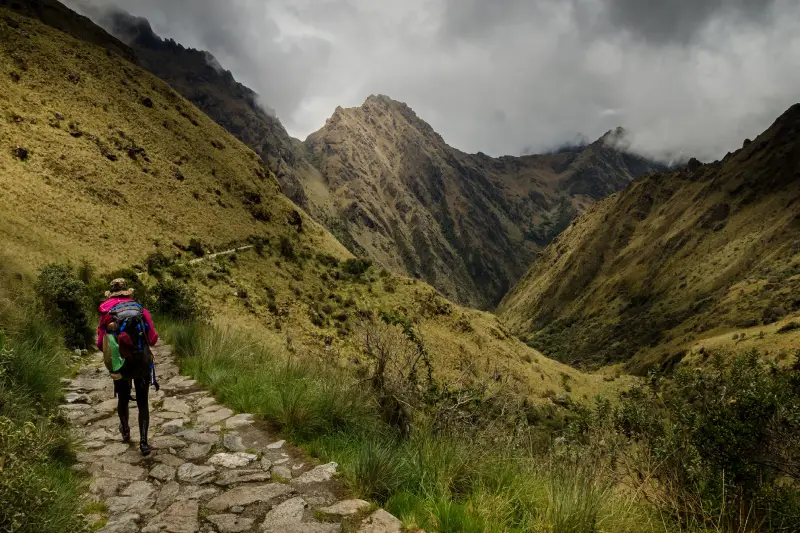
[{"x": 125, "y": 334}]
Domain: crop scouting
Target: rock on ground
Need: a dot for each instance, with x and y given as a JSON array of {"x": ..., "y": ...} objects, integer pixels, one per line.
[
  {"x": 230, "y": 523},
  {"x": 381, "y": 522}
]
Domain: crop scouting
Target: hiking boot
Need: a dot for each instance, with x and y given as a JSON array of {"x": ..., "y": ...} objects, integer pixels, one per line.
[{"x": 145, "y": 449}]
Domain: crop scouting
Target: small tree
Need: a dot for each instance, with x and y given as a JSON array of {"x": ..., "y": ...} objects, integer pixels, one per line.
[{"x": 400, "y": 369}]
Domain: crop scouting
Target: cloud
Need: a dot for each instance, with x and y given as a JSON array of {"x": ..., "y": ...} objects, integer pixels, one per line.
[{"x": 684, "y": 77}]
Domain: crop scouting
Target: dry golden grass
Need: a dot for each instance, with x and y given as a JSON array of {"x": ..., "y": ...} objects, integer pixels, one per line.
[{"x": 75, "y": 106}]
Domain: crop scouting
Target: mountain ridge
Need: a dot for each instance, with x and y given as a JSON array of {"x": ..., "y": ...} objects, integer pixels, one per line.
[{"x": 434, "y": 200}]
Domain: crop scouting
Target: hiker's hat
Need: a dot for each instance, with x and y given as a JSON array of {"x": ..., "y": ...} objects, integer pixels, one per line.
[{"x": 119, "y": 289}]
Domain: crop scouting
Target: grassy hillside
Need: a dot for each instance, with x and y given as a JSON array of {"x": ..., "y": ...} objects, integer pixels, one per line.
[
  {"x": 673, "y": 260},
  {"x": 103, "y": 162}
]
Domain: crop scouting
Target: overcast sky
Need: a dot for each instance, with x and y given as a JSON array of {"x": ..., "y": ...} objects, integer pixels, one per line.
[{"x": 688, "y": 77}]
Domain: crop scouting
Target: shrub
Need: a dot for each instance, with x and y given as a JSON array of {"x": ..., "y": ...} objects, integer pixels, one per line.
[
  {"x": 722, "y": 442},
  {"x": 327, "y": 260},
  {"x": 287, "y": 248},
  {"x": 791, "y": 326},
  {"x": 156, "y": 262},
  {"x": 356, "y": 267},
  {"x": 176, "y": 300},
  {"x": 196, "y": 247},
  {"x": 65, "y": 299}
]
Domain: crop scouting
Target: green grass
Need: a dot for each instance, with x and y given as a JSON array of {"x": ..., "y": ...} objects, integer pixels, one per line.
[
  {"x": 439, "y": 482},
  {"x": 39, "y": 491}
]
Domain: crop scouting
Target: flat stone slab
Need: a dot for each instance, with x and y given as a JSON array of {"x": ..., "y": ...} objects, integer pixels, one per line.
[
  {"x": 168, "y": 495},
  {"x": 319, "y": 474},
  {"x": 105, "y": 487},
  {"x": 381, "y": 522},
  {"x": 169, "y": 460},
  {"x": 233, "y": 443},
  {"x": 168, "y": 441},
  {"x": 192, "y": 435},
  {"x": 202, "y": 403},
  {"x": 276, "y": 445},
  {"x": 230, "y": 523},
  {"x": 138, "y": 497},
  {"x": 195, "y": 451},
  {"x": 238, "y": 421},
  {"x": 180, "y": 517},
  {"x": 346, "y": 508},
  {"x": 234, "y": 477},
  {"x": 215, "y": 417},
  {"x": 77, "y": 397},
  {"x": 248, "y": 494},
  {"x": 162, "y": 472},
  {"x": 110, "y": 467},
  {"x": 197, "y": 474},
  {"x": 112, "y": 450},
  {"x": 122, "y": 524},
  {"x": 282, "y": 471},
  {"x": 289, "y": 512},
  {"x": 232, "y": 460},
  {"x": 172, "y": 427},
  {"x": 176, "y": 405}
]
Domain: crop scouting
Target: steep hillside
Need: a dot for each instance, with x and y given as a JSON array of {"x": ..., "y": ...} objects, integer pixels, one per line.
[
  {"x": 389, "y": 187},
  {"x": 467, "y": 224},
  {"x": 103, "y": 162},
  {"x": 673, "y": 259},
  {"x": 199, "y": 78}
]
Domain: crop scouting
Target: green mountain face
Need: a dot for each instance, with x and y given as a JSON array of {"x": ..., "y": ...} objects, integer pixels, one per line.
[
  {"x": 389, "y": 187},
  {"x": 673, "y": 259}
]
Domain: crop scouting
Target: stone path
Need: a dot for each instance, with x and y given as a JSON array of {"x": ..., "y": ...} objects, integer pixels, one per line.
[{"x": 211, "y": 470}]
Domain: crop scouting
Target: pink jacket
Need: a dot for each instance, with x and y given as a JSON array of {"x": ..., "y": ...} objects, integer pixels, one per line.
[{"x": 105, "y": 318}]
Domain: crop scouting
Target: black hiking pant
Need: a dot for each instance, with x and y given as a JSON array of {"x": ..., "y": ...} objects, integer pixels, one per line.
[{"x": 122, "y": 388}]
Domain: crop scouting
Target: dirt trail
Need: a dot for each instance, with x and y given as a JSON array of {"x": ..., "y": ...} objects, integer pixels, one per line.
[{"x": 211, "y": 470}]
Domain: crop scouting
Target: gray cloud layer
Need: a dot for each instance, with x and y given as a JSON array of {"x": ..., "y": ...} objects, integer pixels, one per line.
[{"x": 685, "y": 77}]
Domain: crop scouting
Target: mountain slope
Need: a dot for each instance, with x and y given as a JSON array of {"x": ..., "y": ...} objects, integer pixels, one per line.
[
  {"x": 644, "y": 273},
  {"x": 199, "y": 78},
  {"x": 467, "y": 224},
  {"x": 390, "y": 188},
  {"x": 103, "y": 162}
]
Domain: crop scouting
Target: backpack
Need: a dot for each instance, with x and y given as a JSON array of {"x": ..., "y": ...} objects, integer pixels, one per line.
[{"x": 129, "y": 317}]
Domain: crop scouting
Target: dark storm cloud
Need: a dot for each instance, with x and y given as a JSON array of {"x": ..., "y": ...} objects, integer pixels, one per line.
[
  {"x": 686, "y": 77},
  {"x": 670, "y": 21}
]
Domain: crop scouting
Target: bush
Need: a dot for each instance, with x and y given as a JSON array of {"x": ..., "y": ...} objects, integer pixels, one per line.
[
  {"x": 176, "y": 300},
  {"x": 327, "y": 260},
  {"x": 722, "y": 442},
  {"x": 65, "y": 299},
  {"x": 356, "y": 267},
  {"x": 287, "y": 248},
  {"x": 791, "y": 326},
  {"x": 156, "y": 262},
  {"x": 196, "y": 247}
]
